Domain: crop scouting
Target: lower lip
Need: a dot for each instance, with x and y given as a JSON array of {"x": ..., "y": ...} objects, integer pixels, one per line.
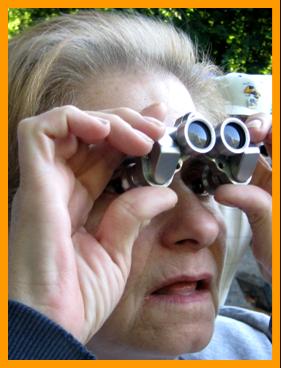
[{"x": 197, "y": 296}]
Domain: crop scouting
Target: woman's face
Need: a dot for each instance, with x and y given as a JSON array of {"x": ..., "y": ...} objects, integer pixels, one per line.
[{"x": 171, "y": 297}]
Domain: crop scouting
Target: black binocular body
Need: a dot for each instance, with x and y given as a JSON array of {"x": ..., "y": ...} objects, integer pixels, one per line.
[{"x": 205, "y": 157}]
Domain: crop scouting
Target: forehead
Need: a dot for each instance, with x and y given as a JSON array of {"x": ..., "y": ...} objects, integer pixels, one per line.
[{"x": 138, "y": 91}]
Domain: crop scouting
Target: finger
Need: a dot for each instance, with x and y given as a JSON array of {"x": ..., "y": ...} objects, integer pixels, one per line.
[
  {"x": 257, "y": 205},
  {"x": 98, "y": 168},
  {"x": 149, "y": 125},
  {"x": 254, "y": 201},
  {"x": 60, "y": 125},
  {"x": 79, "y": 159},
  {"x": 157, "y": 110},
  {"x": 262, "y": 176},
  {"x": 259, "y": 126},
  {"x": 123, "y": 219},
  {"x": 124, "y": 137},
  {"x": 268, "y": 142},
  {"x": 79, "y": 206},
  {"x": 94, "y": 166}
]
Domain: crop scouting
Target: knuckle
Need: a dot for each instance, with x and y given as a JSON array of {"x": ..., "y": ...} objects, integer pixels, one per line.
[
  {"x": 25, "y": 125},
  {"x": 116, "y": 119},
  {"x": 65, "y": 110},
  {"x": 123, "y": 111},
  {"x": 69, "y": 108}
]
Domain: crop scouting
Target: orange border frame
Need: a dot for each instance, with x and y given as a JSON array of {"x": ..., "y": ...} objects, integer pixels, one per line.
[{"x": 4, "y": 5}]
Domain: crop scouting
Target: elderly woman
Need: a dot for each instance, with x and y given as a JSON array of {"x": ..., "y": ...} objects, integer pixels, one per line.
[{"x": 95, "y": 274}]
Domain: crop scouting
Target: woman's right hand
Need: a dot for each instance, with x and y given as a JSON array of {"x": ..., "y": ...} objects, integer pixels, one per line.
[{"x": 66, "y": 158}]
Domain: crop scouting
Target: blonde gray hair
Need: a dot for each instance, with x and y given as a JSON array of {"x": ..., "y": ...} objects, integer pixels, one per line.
[{"x": 51, "y": 64}]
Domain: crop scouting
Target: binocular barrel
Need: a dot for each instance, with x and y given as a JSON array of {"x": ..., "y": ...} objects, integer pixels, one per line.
[
  {"x": 194, "y": 134},
  {"x": 232, "y": 137}
]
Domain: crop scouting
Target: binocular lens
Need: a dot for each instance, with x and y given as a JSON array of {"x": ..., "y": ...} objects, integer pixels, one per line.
[
  {"x": 234, "y": 135},
  {"x": 199, "y": 134}
]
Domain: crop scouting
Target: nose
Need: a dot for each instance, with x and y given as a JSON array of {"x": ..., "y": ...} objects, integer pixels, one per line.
[{"x": 193, "y": 222}]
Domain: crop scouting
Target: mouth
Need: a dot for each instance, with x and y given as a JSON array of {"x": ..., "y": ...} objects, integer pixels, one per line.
[{"x": 183, "y": 289}]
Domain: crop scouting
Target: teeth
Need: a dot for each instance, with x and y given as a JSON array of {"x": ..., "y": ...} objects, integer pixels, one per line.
[{"x": 179, "y": 288}]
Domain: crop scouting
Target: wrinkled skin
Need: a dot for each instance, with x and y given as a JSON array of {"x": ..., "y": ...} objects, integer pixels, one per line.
[{"x": 90, "y": 259}]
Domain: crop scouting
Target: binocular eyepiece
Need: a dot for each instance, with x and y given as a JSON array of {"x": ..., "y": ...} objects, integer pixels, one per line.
[
  {"x": 233, "y": 137},
  {"x": 196, "y": 135},
  {"x": 205, "y": 156}
]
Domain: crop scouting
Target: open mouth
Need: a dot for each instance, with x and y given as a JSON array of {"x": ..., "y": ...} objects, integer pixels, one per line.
[{"x": 182, "y": 289}]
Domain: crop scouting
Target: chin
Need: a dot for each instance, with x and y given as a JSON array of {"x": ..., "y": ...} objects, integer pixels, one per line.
[
  {"x": 165, "y": 343},
  {"x": 162, "y": 330},
  {"x": 170, "y": 329},
  {"x": 174, "y": 342}
]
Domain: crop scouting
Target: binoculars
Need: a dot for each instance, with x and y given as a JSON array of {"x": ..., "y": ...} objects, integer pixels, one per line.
[{"x": 206, "y": 157}]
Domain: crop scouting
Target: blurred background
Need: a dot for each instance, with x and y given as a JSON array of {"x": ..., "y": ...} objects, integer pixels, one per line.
[{"x": 237, "y": 40}]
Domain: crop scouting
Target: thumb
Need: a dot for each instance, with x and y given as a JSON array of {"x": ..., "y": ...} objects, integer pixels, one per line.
[
  {"x": 254, "y": 201},
  {"x": 257, "y": 205},
  {"x": 123, "y": 219}
]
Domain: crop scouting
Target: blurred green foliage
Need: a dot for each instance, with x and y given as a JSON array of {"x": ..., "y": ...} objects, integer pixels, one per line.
[{"x": 236, "y": 39}]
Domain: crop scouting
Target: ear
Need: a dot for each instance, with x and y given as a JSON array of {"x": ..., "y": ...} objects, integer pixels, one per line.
[{"x": 157, "y": 110}]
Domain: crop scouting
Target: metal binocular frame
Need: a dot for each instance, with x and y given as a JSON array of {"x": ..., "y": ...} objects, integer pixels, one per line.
[{"x": 206, "y": 157}]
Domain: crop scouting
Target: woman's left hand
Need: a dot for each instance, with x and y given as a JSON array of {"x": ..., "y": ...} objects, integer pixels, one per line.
[{"x": 255, "y": 199}]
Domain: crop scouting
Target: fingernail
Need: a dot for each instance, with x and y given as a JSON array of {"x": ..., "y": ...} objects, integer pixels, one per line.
[
  {"x": 103, "y": 121},
  {"x": 96, "y": 118},
  {"x": 154, "y": 121},
  {"x": 143, "y": 136},
  {"x": 100, "y": 120},
  {"x": 254, "y": 124}
]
